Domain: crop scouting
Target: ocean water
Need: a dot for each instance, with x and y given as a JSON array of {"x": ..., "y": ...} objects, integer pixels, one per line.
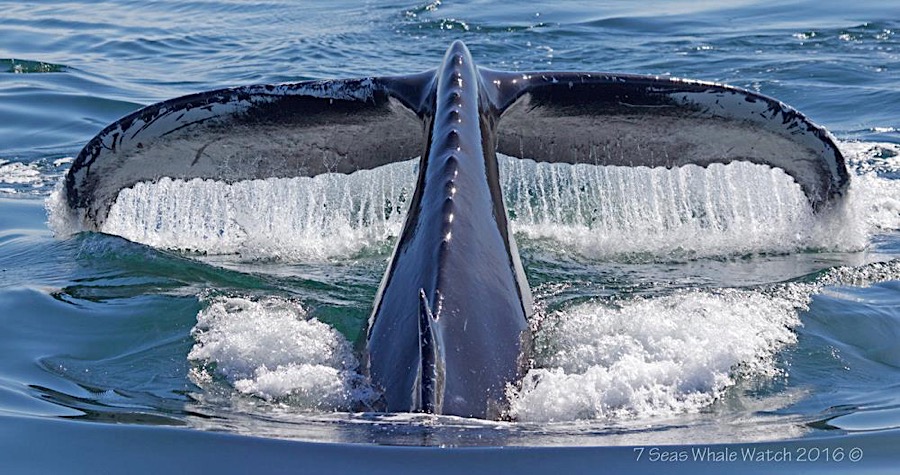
[{"x": 216, "y": 326}]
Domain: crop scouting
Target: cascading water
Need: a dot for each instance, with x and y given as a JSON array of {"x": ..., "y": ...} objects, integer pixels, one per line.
[{"x": 598, "y": 212}]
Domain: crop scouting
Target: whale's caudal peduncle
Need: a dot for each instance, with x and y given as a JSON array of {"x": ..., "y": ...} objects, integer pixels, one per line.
[
  {"x": 453, "y": 288},
  {"x": 448, "y": 332}
]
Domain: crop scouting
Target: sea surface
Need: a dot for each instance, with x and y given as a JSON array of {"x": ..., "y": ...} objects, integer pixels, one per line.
[{"x": 216, "y": 327}]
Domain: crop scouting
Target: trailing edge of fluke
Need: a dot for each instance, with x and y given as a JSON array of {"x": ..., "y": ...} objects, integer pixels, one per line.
[{"x": 448, "y": 333}]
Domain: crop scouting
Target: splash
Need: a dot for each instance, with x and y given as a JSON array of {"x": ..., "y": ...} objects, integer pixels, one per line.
[
  {"x": 617, "y": 360},
  {"x": 641, "y": 358},
  {"x": 673, "y": 354},
  {"x": 650, "y": 357},
  {"x": 270, "y": 349},
  {"x": 604, "y": 212},
  {"x": 595, "y": 211},
  {"x": 298, "y": 218},
  {"x": 19, "y": 173},
  {"x": 875, "y": 188}
]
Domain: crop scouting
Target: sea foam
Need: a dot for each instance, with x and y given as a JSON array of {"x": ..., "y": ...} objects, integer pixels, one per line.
[
  {"x": 646, "y": 357},
  {"x": 272, "y": 350}
]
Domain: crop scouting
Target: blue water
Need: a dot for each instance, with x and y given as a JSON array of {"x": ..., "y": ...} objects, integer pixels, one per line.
[{"x": 759, "y": 328}]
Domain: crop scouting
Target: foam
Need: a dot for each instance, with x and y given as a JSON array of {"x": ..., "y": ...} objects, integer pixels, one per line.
[
  {"x": 651, "y": 357},
  {"x": 30, "y": 178},
  {"x": 271, "y": 349},
  {"x": 19, "y": 173},
  {"x": 16, "y": 177}
]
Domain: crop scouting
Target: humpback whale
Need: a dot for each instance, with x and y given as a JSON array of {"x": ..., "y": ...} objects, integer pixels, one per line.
[{"x": 449, "y": 331}]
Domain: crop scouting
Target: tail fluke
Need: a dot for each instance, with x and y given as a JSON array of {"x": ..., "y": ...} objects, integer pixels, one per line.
[
  {"x": 629, "y": 120},
  {"x": 341, "y": 126},
  {"x": 252, "y": 132}
]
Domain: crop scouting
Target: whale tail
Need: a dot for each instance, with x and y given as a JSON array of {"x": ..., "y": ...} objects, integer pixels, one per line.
[
  {"x": 455, "y": 346},
  {"x": 341, "y": 126},
  {"x": 632, "y": 120}
]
